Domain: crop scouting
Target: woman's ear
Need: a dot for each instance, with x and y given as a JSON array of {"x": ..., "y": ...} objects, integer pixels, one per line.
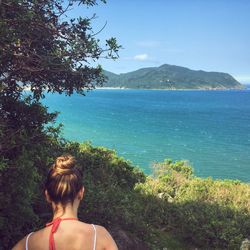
[
  {"x": 47, "y": 196},
  {"x": 80, "y": 193}
]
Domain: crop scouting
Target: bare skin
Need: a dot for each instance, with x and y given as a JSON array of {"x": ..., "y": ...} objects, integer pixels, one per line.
[{"x": 71, "y": 234}]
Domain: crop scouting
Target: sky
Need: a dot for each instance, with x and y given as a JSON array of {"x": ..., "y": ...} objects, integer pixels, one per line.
[{"x": 205, "y": 35}]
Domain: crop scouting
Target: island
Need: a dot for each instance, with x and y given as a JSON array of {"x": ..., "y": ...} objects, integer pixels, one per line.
[{"x": 171, "y": 77}]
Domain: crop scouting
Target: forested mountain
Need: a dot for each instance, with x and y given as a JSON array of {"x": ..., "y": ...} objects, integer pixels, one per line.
[{"x": 171, "y": 77}]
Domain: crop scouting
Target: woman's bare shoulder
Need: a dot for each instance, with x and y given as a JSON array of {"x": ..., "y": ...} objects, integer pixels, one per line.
[
  {"x": 32, "y": 238},
  {"x": 104, "y": 238},
  {"x": 20, "y": 245}
]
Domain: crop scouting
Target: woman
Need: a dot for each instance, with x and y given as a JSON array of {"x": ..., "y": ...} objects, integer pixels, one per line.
[{"x": 64, "y": 191}]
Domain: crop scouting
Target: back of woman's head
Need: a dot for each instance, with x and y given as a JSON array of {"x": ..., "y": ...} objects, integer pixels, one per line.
[{"x": 64, "y": 180}]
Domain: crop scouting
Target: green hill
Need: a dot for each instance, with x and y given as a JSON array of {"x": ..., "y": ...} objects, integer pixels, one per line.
[{"x": 171, "y": 77}]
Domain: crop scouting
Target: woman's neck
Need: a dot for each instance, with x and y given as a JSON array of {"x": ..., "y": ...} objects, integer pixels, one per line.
[{"x": 68, "y": 211}]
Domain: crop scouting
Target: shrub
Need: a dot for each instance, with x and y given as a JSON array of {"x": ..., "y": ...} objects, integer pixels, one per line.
[{"x": 206, "y": 212}]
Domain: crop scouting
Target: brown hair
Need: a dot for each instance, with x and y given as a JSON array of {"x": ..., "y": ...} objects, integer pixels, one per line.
[{"x": 64, "y": 180}]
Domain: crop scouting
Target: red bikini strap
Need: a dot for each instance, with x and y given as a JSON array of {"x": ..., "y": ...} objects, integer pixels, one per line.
[{"x": 55, "y": 224}]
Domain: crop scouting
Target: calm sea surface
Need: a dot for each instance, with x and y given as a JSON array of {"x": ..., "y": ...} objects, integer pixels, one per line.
[{"x": 210, "y": 129}]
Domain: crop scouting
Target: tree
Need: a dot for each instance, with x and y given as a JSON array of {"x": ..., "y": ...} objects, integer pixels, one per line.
[
  {"x": 41, "y": 48},
  {"x": 44, "y": 50}
]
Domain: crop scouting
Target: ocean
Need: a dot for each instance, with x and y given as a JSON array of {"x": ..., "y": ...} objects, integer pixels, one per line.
[{"x": 210, "y": 129}]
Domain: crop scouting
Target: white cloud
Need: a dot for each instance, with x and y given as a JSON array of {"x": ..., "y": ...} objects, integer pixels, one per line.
[{"x": 141, "y": 57}]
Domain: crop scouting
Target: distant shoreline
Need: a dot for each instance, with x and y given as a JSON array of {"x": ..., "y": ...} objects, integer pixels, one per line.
[
  {"x": 27, "y": 88},
  {"x": 200, "y": 89}
]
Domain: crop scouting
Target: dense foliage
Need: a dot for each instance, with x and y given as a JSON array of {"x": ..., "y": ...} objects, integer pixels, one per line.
[
  {"x": 209, "y": 213},
  {"x": 171, "y": 77},
  {"x": 170, "y": 209}
]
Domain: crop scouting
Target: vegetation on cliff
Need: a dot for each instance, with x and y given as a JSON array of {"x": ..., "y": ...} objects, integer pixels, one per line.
[
  {"x": 172, "y": 208},
  {"x": 171, "y": 77}
]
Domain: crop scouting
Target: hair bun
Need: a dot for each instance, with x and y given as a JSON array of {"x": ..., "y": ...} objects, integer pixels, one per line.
[
  {"x": 64, "y": 164},
  {"x": 64, "y": 180}
]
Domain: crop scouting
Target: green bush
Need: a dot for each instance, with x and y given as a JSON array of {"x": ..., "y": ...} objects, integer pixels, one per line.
[{"x": 208, "y": 213}]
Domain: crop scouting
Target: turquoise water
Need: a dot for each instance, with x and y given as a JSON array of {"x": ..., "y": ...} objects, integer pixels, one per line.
[{"x": 210, "y": 129}]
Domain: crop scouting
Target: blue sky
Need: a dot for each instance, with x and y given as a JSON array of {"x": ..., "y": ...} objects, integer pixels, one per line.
[{"x": 210, "y": 35}]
